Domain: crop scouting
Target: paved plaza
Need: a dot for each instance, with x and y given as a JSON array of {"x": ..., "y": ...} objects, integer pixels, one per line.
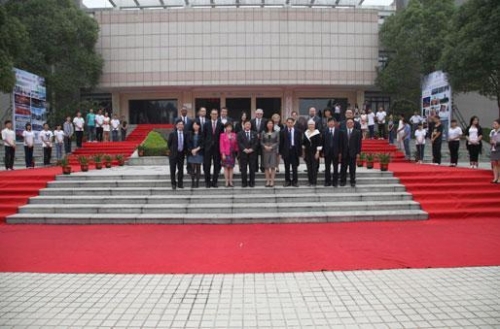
[{"x": 410, "y": 298}]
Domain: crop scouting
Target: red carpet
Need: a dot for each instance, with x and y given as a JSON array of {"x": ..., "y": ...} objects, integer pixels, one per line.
[{"x": 382, "y": 146}]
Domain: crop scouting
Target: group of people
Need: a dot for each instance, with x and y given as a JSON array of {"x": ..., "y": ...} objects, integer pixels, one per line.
[
  {"x": 99, "y": 128},
  {"x": 261, "y": 143}
]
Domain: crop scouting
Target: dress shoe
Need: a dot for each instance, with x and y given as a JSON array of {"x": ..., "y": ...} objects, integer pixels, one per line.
[
  {"x": 287, "y": 184},
  {"x": 244, "y": 185},
  {"x": 174, "y": 187},
  {"x": 180, "y": 186},
  {"x": 207, "y": 185},
  {"x": 353, "y": 184},
  {"x": 328, "y": 184},
  {"x": 215, "y": 185},
  {"x": 251, "y": 185},
  {"x": 342, "y": 183},
  {"x": 295, "y": 184},
  {"x": 335, "y": 185}
]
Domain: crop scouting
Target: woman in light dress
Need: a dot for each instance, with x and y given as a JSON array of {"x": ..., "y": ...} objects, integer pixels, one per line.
[{"x": 363, "y": 121}]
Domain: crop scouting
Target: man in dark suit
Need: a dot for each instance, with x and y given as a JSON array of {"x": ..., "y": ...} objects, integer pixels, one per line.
[
  {"x": 349, "y": 115},
  {"x": 247, "y": 143},
  {"x": 188, "y": 122},
  {"x": 201, "y": 118},
  {"x": 332, "y": 150},
  {"x": 259, "y": 126},
  {"x": 223, "y": 119},
  {"x": 314, "y": 116},
  {"x": 291, "y": 150},
  {"x": 211, "y": 136},
  {"x": 178, "y": 148},
  {"x": 351, "y": 148}
]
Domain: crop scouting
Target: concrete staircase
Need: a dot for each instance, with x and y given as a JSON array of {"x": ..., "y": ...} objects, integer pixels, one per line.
[{"x": 127, "y": 195}]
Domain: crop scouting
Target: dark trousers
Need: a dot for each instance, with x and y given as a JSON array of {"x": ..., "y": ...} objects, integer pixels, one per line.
[
  {"x": 114, "y": 135},
  {"x": 209, "y": 158},
  {"x": 67, "y": 145},
  {"x": 98, "y": 133},
  {"x": 91, "y": 133},
  {"x": 474, "y": 152},
  {"x": 47, "y": 154},
  {"x": 79, "y": 138},
  {"x": 259, "y": 159},
  {"x": 329, "y": 161},
  {"x": 348, "y": 161},
  {"x": 10, "y": 153},
  {"x": 436, "y": 151},
  {"x": 28, "y": 156},
  {"x": 291, "y": 162},
  {"x": 312, "y": 169},
  {"x": 453, "y": 147},
  {"x": 420, "y": 152},
  {"x": 124, "y": 134},
  {"x": 381, "y": 130},
  {"x": 371, "y": 129},
  {"x": 177, "y": 164},
  {"x": 247, "y": 165}
]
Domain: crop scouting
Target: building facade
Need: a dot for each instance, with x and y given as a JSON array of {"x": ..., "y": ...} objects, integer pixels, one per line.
[{"x": 278, "y": 59}]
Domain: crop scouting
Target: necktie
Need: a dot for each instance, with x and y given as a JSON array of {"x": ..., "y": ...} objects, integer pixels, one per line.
[
  {"x": 258, "y": 124},
  {"x": 248, "y": 135},
  {"x": 180, "y": 142},
  {"x": 213, "y": 127},
  {"x": 349, "y": 134},
  {"x": 290, "y": 136}
]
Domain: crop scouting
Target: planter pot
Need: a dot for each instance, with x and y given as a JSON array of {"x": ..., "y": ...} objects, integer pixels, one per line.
[
  {"x": 384, "y": 166},
  {"x": 108, "y": 164},
  {"x": 84, "y": 167},
  {"x": 121, "y": 163},
  {"x": 141, "y": 153},
  {"x": 98, "y": 166},
  {"x": 360, "y": 163},
  {"x": 369, "y": 165},
  {"x": 66, "y": 170}
]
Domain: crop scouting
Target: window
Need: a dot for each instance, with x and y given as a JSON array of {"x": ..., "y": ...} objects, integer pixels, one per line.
[
  {"x": 320, "y": 104},
  {"x": 208, "y": 103},
  {"x": 153, "y": 111},
  {"x": 237, "y": 105},
  {"x": 269, "y": 105}
]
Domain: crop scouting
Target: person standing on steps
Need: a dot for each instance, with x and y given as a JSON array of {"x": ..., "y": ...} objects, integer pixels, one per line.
[
  {"x": 46, "y": 137},
  {"x": 29, "y": 143},
  {"x": 332, "y": 151},
  {"x": 495, "y": 151},
  {"x": 115, "y": 128},
  {"x": 59, "y": 142},
  {"x": 9, "y": 143},
  {"x": 69, "y": 130},
  {"x": 474, "y": 136},
  {"x": 258, "y": 125},
  {"x": 436, "y": 140},
  {"x": 420, "y": 135},
  {"x": 247, "y": 144},
  {"x": 123, "y": 129},
  {"x": 454, "y": 135},
  {"x": 99, "y": 122},
  {"x": 269, "y": 143},
  {"x": 79, "y": 123},
  {"x": 106, "y": 127},
  {"x": 90, "y": 119},
  {"x": 291, "y": 150},
  {"x": 312, "y": 146},
  {"x": 211, "y": 136},
  {"x": 195, "y": 153},
  {"x": 228, "y": 150},
  {"x": 351, "y": 148},
  {"x": 178, "y": 149}
]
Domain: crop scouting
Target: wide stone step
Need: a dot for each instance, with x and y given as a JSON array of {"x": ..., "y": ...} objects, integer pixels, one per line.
[
  {"x": 241, "y": 218},
  {"x": 105, "y": 183},
  {"x": 130, "y": 191},
  {"x": 222, "y": 208},
  {"x": 235, "y": 198}
]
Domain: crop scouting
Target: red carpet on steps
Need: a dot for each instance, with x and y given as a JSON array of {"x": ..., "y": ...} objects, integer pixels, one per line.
[{"x": 470, "y": 236}]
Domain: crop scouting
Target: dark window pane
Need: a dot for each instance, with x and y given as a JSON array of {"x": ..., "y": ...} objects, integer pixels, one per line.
[
  {"x": 208, "y": 103},
  {"x": 153, "y": 111},
  {"x": 320, "y": 104},
  {"x": 235, "y": 106},
  {"x": 270, "y": 105}
]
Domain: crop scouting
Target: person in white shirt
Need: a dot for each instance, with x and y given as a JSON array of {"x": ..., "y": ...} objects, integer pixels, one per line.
[
  {"x": 115, "y": 128},
  {"x": 46, "y": 139},
  {"x": 9, "y": 143},
  {"x": 420, "y": 135},
  {"x": 79, "y": 123},
  {"x": 363, "y": 121},
  {"x": 415, "y": 120},
  {"x": 454, "y": 135},
  {"x": 400, "y": 132},
  {"x": 381, "y": 114},
  {"x": 371, "y": 123},
  {"x": 29, "y": 143},
  {"x": 106, "y": 127},
  {"x": 59, "y": 141},
  {"x": 474, "y": 137},
  {"x": 99, "y": 121}
]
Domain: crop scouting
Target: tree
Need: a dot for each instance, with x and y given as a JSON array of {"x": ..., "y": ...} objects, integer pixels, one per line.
[
  {"x": 472, "y": 52},
  {"x": 413, "y": 40},
  {"x": 61, "y": 48},
  {"x": 13, "y": 42}
]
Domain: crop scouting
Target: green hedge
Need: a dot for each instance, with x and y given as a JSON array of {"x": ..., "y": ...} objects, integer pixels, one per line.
[{"x": 154, "y": 145}]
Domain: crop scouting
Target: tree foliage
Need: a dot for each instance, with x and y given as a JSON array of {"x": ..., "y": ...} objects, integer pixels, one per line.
[
  {"x": 472, "y": 52},
  {"x": 13, "y": 42},
  {"x": 60, "y": 48},
  {"x": 413, "y": 40}
]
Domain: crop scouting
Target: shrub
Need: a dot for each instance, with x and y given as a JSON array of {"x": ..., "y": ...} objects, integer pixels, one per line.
[{"x": 154, "y": 145}]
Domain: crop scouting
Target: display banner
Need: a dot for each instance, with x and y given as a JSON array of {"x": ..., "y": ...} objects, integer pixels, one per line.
[
  {"x": 436, "y": 99},
  {"x": 30, "y": 103}
]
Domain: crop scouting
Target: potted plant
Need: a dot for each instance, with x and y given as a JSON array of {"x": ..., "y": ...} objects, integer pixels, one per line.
[
  {"x": 361, "y": 160},
  {"x": 98, "y": 161},
  {"x": 140, "y": 150},
  {"x": 65, "y": 166},
  {"x": 384, "y": 159},
  {"x": 370, "y": 159},
  {"x": 84, "y": 162},
  {"x": 120, "y": 159},
  {"x": 107, "y": 160}
]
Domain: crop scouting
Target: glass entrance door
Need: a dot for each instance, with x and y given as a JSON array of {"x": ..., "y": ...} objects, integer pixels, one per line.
[
  {"x": 208, "y": 103},
  {"x": 235, "y": 106},
  {"x": 153, "y": 111}
]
